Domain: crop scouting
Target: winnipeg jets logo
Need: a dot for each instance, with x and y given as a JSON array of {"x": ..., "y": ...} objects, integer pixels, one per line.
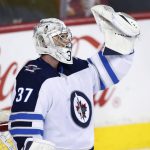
[
  {"x": 81, "y": 109},
  {"x": 31, "y": 68}
]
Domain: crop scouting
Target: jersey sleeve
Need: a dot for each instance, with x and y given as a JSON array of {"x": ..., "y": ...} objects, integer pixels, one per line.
[
  {"x": 108, "y": 69},
  {"x": 30, "y": 106}
]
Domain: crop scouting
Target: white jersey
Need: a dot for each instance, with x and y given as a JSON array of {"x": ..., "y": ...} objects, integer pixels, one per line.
[{"x": 57, "y": 104}]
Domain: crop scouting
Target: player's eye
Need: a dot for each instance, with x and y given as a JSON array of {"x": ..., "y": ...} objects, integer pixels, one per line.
[{"x": 64, "y": 36}]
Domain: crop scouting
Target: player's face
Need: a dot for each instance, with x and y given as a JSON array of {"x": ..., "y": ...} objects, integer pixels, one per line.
[{"x": 62, "y": 40}]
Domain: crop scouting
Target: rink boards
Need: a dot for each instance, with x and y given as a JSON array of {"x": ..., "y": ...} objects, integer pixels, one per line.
[{"x": 122, "y": 114}]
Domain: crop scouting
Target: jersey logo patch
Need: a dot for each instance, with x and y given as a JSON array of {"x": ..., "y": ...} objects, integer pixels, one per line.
[
  {"x": 31, "y": 68},
  {"x": 81, "y": 109}
]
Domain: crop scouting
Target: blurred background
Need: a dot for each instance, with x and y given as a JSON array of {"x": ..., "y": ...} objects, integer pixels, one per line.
[
  {"x": 122, "y": 112},
  {"x": 23, "y": 11}
]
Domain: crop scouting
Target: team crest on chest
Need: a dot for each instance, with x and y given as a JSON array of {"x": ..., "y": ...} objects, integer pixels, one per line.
[
  {"x": 81, "y": 109},
  {"x": 31, "y": 68}
]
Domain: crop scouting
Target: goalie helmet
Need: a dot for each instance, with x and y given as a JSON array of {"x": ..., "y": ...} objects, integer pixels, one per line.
[{"x": 52, "y": 37}]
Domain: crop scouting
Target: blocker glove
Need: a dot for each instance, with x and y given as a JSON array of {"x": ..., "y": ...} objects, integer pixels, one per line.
[{"x": 38, "y": 144}]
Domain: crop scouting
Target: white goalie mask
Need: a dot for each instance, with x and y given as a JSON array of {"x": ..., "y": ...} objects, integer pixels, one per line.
[{"x": 54, "y": 38}]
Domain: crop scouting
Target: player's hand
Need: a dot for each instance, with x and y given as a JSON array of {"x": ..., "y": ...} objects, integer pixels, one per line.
[
  {"x": 120, "y": 30},
  {"x": 38, "y": 144}
]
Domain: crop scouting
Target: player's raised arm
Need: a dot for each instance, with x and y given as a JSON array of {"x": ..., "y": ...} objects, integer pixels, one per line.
[{"x": 120, "y": 31}]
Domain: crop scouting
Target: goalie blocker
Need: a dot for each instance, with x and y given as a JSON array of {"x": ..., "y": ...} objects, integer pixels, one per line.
[
  {"x": 120, "y": 30},
  {"x": 7, "y": 142},
  {"x": 38, "y": 144}
]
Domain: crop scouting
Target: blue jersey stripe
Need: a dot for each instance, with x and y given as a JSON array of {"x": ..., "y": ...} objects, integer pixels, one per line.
[
  {"x": 108, "y": 68},
  {"x": 26, "y": 116},
  {"x": 26, "y": 131},
  {"x": 102, "y": 85}
]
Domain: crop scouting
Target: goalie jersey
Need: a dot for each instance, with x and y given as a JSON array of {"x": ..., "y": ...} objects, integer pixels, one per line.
[{"x": 57, "y": 104}]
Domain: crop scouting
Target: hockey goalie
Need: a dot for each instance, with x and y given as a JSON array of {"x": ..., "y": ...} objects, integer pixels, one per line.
[{"x": 53, "y": 95}]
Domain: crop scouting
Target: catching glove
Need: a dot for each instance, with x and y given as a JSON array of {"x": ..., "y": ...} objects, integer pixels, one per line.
[{"x": 120, "y": 30}]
